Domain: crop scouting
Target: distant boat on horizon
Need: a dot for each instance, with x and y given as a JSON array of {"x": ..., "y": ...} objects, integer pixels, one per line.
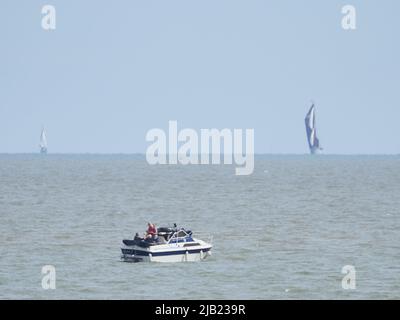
[
  {"x": 313, "y": 141},
  {"x": 43, "y": 142}
]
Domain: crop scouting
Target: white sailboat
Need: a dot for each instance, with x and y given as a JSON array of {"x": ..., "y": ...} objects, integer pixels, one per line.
[
  {"x": 313, "y": 141},
  {"x": 43, "y": 142}
]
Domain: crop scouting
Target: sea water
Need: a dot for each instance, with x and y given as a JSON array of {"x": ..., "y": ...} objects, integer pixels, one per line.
[{"x": 284, "y": 232}]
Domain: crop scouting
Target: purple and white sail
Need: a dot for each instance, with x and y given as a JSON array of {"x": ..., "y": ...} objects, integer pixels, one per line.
[{"x": 311, "y": 130}]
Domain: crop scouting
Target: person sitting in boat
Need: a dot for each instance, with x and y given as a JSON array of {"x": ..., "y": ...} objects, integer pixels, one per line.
[
  {"x": 137, "y": 237},
  {"x": 151, "y": 232}
]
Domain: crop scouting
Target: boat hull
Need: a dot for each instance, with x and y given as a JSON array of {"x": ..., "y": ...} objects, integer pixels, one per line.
[
  {"x": 315, "y": 151},
  {"x": 192, "y": 257},
  {"x": 166, "y": 253}
]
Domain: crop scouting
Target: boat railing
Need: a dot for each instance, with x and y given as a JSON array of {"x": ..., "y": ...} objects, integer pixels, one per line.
[
  {"x": 182, "y": 236},
  {"x": 177, "y": 239}
]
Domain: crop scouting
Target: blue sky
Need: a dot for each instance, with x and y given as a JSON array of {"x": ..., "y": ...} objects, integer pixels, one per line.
[{"x": 112, "y": 70}]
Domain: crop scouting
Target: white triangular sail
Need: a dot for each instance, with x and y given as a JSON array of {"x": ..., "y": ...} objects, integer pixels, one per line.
[{"x": 43, "y": 142}]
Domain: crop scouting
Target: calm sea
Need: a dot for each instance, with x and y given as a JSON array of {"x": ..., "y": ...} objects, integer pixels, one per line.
[{"x": 284, "y": 232}]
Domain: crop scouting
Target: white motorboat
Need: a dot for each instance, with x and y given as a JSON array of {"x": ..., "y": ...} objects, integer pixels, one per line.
[{"x": 170, "y": 245}]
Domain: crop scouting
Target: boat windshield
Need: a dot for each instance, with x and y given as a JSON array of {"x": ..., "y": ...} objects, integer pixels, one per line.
[{"x": 180, "y": 236}]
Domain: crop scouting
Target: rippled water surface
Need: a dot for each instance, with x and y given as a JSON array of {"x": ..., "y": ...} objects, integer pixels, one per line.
[{"x": 284, "y": 232}]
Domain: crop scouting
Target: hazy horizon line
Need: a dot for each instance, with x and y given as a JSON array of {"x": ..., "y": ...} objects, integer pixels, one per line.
[{"x": 143, "y": 154}]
